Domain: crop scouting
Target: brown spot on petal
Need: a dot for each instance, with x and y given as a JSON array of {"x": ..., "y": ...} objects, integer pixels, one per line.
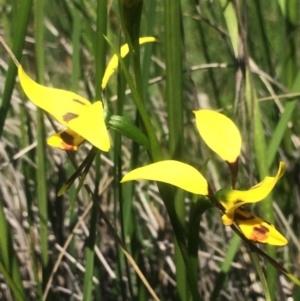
[
  {"x": 259, "y": 233},
  {"x": 79, "y": 101},
  {"x": 67, "y": 138},
  {"x": 69, "y": 116}
]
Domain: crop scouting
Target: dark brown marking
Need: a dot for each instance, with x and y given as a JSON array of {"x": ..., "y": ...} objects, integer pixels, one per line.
[
  {"x": 259, "y": 233},
  {"x": 69, "y": 116},
  {"x": 67, "y": 138},
  {"x": 243, "y": 217},
  {"x": 237, "y": 202},
  {"x": 79, "y": 101}
]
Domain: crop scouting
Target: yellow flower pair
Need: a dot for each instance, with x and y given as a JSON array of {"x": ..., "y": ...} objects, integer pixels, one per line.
[
  {"x": 223, "y": 137},
  {"x": 85, "y": 121}
]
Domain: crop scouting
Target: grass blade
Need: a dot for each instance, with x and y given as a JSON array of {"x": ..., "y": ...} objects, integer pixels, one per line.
[
  {"x": 41, "y": 146},
  {"x": 18, "y": 43}
]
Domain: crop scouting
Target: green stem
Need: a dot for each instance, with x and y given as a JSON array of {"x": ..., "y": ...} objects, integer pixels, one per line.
[{"x": 41, "y": 146}]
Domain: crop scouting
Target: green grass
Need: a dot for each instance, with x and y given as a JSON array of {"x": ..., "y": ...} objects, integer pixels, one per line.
[{"x": 121, "y": 240}]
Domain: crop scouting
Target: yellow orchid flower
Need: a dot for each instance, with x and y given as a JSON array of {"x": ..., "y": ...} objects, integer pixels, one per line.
[
  {"x": 70, "y": 140},
  {"x": 231, "y": 199},
  {"x": 223, "y": 137},
  {"x": 84, "y": 120}
]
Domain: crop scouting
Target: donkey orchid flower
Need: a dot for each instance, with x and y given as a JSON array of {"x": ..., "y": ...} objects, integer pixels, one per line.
[
  {"x": 68, "y": 139},
  {"x": 223, "y": 137}
]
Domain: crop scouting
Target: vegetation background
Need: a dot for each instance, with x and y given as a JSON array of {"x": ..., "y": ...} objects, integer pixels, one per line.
[{"x": 238, "y": 57}]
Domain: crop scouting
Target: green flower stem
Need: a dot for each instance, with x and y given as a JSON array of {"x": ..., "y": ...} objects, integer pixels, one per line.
[
  {"x": 90, "y": 255},
  {"x": 130, "y": 18},
  {"x": 75, "y": 77},
  {"x": 41, "y": 145},
  {"x": 155, "y": 151},
  {"x": 196, "y": 211},
  {"x": 118, "y": 187},
  {"x": 131, "y": 15},
  {"x": 100, "y": 46},
  {"x": 91, "y": 241},
  {"x": 100, "y": 63},
  {"x": 173, "y": 92},
  {"x": 173, "y": 98}
]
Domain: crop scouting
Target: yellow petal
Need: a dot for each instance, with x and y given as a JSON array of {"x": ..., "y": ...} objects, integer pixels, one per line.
[
  {"x": 219, "y": 133},
  {"x": 70, "y": 109},
  {"x": 227, "y": 218},
  {"x": 91, "y": 126},
  {"x": 113, "y": 63},
  {"x": 232, "y": 199},
  {"x": 172, "y": 172},
  {"x": 258, "y": 230},
  {"x": 66, "y": 140},
  {"x": 61, "y": 104}
]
